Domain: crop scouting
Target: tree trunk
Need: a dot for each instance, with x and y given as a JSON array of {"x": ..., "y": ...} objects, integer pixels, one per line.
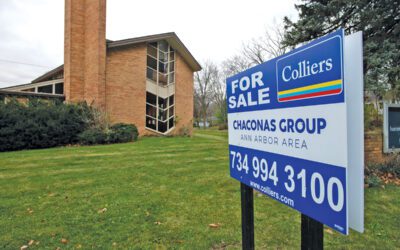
[{"x": 204, "y": 119}]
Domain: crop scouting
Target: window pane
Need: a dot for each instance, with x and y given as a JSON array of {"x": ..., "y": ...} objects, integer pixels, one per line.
[
  {"x": 150, "y": 98},
  {"x": 162, "y": 126},
  {"x": 151, "y": 111},
  {"x": 29, "y": 90},
  {"x": 151, "y": 62},
  {"x": 171, "y": 123},
  {"x": 162, "y": 67},
  {"x": 163, "y": 46},
  {"x": 162, "y": 79},
  {"x": 151, "y": 123},
  {"x": 152, "y": 51},
  {"x": 171, "y": 78},
  {"x": 60, "y": 88},
  {"x": 162, "y": 103},
  {"x": 171, "y": 56},
  {"x": 171, "y": 100},
  {"x": 171, "y": 111},
  {"x": 162, "y": 115},
  {"x": 171, "y": 67},
  {"x": 154, "y": 44},
  {"x": 162, "y": 56},
  {"x": 46, "y": 89},
  {"x": 151, "y": 74}
]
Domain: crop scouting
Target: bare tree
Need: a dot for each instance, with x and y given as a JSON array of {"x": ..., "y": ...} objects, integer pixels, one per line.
[
  {"x": 234, "y": 65},
  {"x": 204, "y": 92},
  {"x": 263, "y": 48}
]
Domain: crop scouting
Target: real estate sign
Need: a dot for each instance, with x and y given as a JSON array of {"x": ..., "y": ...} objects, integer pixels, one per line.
[{"x": 288, "y": 130}]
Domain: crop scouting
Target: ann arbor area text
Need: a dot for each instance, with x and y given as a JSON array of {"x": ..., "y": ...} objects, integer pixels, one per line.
[{"x": 275, "y": 141}]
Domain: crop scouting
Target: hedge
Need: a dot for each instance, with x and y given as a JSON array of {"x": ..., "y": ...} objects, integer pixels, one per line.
[
  {"x": 44, "y": 124},
  {"x": 117, "y": 133}
]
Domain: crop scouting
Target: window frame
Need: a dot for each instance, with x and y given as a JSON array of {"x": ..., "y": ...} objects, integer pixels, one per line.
[{"x": 169, "y": 63}]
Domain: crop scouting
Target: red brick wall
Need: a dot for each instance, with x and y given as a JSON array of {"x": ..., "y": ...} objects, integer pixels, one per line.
[
  {"x": 74, "y": 42},
  {"x": 95, "y": 52},
  {"x": 126, "y": 85},
  {"x": 373, "y": 147},
  {"x": 126, "y": 89},
  {"x": 85, "y": 51},
  {"x": 183, "y": 97}
]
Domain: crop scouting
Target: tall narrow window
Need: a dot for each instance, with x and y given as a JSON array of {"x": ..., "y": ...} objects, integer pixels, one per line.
[
  {"x": 160, "y": 70},
  {"x": 160, "y": 113},
  {"x": 160, "y": 63}
]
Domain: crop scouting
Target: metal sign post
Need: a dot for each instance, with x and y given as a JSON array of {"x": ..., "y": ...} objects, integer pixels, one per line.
[
  {"x": 312, "y": 234},
  {"x": 247, "y": 217}
]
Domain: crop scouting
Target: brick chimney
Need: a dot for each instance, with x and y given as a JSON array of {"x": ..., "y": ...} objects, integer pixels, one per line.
[{"x": 85, "y": 51}]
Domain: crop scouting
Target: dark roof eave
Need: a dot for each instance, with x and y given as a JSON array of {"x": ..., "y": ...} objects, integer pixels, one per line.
[
  {"x": 32, "y": 94},
  {"x": 49, "y": 73},
  {"x": 193, "y": 63}
]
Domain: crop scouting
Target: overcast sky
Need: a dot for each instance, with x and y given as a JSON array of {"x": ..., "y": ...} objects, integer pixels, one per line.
[{"x": 31, "y": 31}]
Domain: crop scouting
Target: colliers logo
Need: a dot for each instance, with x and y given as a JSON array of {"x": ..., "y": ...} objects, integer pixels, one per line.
[{"x": 315, "y": 71}]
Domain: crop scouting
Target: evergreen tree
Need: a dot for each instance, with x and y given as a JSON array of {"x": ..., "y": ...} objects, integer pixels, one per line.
[{"x": 378, "y": 19}]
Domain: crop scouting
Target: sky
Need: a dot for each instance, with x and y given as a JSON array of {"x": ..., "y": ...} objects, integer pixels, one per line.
[{"x": 32, "y": 32}]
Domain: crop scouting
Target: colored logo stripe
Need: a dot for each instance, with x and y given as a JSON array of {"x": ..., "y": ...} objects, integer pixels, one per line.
[
  {"x": 337, "y": 86},
  {"x": 328, "y": 92},
  {"x": 315, "y": 86},
  {"x": 320, "y": 89}
]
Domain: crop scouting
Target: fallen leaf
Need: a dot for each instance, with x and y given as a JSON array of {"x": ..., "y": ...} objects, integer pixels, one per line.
[
  {"x": 147, "y": 213},
  {"x": 30, "y": 210},
  {"x": 30, "y": 243},
  {"x": 51, "y": 194},
  {"x": 214, "y": 225},
  {"x": 157, "y": 223},
  {"x": 79, "y": 246},
  {"x": 58, "y": 248},
  {"x": 64, "y": 241},
  {"x": 103, "y": 210},
  {"x": 24, "y": 247},
  {"x": 114, "y": 244},
  {"x": 328, "y": 230}
]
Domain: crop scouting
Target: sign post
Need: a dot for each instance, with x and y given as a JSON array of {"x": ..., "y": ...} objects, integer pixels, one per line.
[
  {"x": 292, "y": 134},
  {"x": 247, "y": 216},
  {"x": 312, "y": 233}
]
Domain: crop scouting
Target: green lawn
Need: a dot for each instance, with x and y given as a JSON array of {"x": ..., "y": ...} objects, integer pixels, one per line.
[{"x": 158, "y": 193}]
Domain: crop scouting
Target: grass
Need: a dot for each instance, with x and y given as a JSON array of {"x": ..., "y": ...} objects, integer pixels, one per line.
[{"x": 158, "y": 193}]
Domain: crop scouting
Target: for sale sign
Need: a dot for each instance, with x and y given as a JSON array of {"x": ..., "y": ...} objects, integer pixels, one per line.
[{"x": 288, "y": 135}]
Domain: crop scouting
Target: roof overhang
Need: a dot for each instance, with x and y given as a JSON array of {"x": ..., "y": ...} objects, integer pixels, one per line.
[
  {"x": 170, "y": 37},
  {"x": 30, "y": 94}
]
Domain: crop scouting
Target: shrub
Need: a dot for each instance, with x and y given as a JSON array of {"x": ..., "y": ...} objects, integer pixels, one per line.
[
  {"x": 40, "y": 124},
  {"x": 121, "y": 132},
  {"x": 93, "y": 136},
  {"x": 372, "y": 118},
  {"x": 184, "y": 131},
  {"x": 43, "y": 124},
  {"x": 223, "y": 126},
  {"x": 391, "y": 166},
  {"x": 372, "y": 180}
]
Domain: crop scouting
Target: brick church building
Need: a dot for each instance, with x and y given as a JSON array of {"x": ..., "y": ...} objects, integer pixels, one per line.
[{"x": 147, "y": 81}]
